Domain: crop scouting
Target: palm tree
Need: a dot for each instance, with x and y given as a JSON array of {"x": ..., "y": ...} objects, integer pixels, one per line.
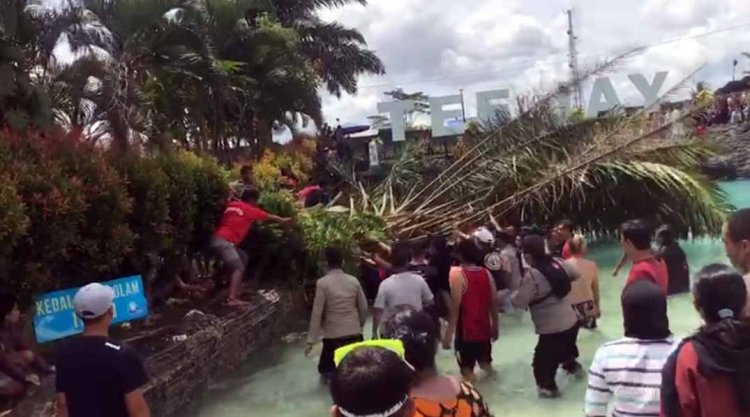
[
  {"x": 338, "y": 54},
  {"x": 537, "y": 168},
  {"x": 22, "y": 100}
]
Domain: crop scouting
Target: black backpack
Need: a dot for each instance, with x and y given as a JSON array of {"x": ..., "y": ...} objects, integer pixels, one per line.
[{"x": 558, "y": 278}]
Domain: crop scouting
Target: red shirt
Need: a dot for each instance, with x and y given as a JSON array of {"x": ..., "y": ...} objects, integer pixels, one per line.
[
  {"x": 566, "y": 250},
  {"x": 302, "y": 195},
  {"x": 651, "y": 269},
  {"x": 700, "y": 396},
  {"x": 237, "y": 220},
  {"x": 475, "y": 305}
]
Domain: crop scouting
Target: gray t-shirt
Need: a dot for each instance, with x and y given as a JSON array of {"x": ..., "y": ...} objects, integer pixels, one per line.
[
  {"x": 406, "y": 288},
  {"x": 552, "y": 314}
]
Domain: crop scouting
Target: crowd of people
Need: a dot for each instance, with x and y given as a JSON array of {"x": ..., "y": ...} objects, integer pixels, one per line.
[
  {"x": 647, "y": 372},
  {"x": 451, "y": 293}
]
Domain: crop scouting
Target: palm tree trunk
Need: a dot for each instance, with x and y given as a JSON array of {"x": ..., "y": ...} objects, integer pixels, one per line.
[{"x": 264, "y": 134}]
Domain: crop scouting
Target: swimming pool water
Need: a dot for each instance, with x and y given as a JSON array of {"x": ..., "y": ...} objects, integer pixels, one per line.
[{"x": 282, "y": 382}]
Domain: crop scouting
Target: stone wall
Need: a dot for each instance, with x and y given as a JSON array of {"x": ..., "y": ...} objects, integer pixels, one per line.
[
  {"x": 181, "y": 371},
  {"x": 733, "y": 160}
]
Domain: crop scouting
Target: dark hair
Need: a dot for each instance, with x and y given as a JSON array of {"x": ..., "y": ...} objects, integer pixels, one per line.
[
  {"x": 470, "y": 252},
  {"x": 666, "y": 235},
  {"x": 531, "y": 231},
  {"x": 567, "y": 224},
  {"x": 400, "y": 254},
  {"x": 637, "y": 232},
  {"x": 644, "y": 310},
  {"x": 370, "y": 381},
  {"x": 250, "y": 195},
  {"x": 420, "y": 247},
  {"x": 7, "y": 303},
  {"x": 246, "y": 169},
  {"x": 555, "y": 274},
  {"x": 334, "y": 258},
  {"x": 504, "y": 236},
  {"x": 316, "y": 197},
  {"x": 439, "y": 244},
  {"x": 719, "y": 287},
  {"x": 738, "y": 225},
  {"x": 419, "y": 333},
  {"x": 720, "y": 294}
]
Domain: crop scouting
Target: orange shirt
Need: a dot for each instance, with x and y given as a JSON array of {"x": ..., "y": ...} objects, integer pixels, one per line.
[{"x": 468, "y": 403}]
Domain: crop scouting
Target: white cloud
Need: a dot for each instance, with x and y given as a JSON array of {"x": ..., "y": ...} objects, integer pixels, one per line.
[{"x": 441, "y": 46}]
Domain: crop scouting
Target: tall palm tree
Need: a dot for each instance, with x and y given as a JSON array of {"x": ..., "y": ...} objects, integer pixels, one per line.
[
  {"x": 23, "y": 102},
  {"x": 339, "y": 54}
]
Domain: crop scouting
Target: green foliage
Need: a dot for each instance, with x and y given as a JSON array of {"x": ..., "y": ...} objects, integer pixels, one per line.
[
  {"x": 13, "y": 220},
  {"x": 211, "y": 190},
  {"x": 71, "y": 213},
  {"x": 182, "y": 201},
  {"x": 280, "y": 203},
  {"x": 323, "y": 228},
  {"x": 148, "y": 187}
]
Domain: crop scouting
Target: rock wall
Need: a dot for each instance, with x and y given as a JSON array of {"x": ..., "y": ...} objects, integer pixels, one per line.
[
  {"x": 182, "y": 371},
  {"x": 734, "y": 160}
]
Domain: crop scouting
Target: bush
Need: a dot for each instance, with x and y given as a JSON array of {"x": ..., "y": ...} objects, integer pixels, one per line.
[
  {"x": 148, "y": 187},
  {"x": 182, "y": 201},
  {"x": 211, "y": 190},
  {"x": 71, "y": 214},
  {"x": 13, "y": 221}
]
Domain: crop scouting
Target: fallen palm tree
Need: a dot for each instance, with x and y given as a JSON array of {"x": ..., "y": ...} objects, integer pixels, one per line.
[{"x": 538, "y": 167}]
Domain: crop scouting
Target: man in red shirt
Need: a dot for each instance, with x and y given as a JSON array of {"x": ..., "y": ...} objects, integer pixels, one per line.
[
  {"x": 635, "y": 237},
  {"x": 234, "y": 226}
]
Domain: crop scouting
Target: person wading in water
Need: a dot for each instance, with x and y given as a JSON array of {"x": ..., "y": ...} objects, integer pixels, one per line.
[
  {"x": 473, "y": 317},
  {"x": 635, "y": 237},
  {"x": 674, "y": 257},
  {"x": 544, "y": 290},
  {"x": 339, "y": 312}
]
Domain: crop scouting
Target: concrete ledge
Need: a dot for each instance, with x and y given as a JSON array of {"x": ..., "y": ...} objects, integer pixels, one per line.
[{"x": 182, "y": 371}]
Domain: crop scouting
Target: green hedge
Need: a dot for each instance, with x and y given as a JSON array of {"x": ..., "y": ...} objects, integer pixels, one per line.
[{"x": 71, "y": 213}]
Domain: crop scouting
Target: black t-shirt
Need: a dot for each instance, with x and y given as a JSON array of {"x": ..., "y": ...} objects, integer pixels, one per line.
[
  {"x": 95, "y": 373},
  {"x": 677, "y": 267}
]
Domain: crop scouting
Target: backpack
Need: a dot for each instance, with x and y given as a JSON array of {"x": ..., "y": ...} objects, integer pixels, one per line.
[{"x": 558, "y": 279}]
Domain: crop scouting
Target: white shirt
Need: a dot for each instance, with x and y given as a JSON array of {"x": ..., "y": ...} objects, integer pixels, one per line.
[{"x": 626, "y": 376}]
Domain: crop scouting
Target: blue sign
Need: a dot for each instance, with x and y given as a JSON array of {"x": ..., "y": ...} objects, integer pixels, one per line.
[{"x": 55, "y": 317}]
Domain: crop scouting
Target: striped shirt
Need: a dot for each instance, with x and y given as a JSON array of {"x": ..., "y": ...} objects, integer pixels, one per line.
[{"x": 625, "y": 378}]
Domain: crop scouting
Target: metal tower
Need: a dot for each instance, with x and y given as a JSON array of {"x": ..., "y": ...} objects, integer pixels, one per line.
[{"x": 573, "y": 63}]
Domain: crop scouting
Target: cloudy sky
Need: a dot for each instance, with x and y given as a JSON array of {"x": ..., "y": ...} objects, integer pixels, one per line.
[{"x": 441, "y": 46}]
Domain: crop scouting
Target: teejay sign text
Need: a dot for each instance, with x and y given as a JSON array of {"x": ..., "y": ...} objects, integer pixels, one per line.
[{"x": 447, "y": 108}]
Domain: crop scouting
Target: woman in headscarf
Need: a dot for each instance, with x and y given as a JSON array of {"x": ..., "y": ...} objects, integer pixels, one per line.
[
  {"x": 544, "y": 291},
  {"x": 433, "y": 394},
  {"x": 626, "y": 373},
  {"x": 709, "y": 374}
]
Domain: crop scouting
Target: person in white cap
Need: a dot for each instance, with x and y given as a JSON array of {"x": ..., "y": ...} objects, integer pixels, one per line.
[
  {"x": 96, "y": 376},
  {"x": 493, "y": 261}
]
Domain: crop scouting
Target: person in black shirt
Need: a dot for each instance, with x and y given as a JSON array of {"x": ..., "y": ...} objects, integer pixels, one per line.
[
  {"x": 674, "y": 257},
  {"x": 440, "y": 262},
  {"x": 97, "y": 377}
]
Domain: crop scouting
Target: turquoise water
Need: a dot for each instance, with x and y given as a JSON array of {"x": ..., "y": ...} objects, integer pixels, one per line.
[{"x": 283, "y": 382}]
